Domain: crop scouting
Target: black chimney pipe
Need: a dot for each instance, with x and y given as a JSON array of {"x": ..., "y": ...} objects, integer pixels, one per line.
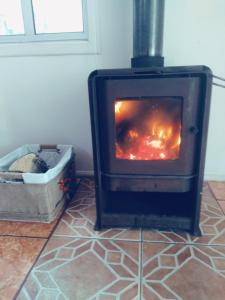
[{"x": 148, "y": 33}]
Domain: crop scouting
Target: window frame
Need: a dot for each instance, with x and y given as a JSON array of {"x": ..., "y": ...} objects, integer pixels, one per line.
[{"x": 29, "y": 27}]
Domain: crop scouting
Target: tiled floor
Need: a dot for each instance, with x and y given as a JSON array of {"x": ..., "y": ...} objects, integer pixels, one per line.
[
  {"x": 17, "y": 255},
  {"x": 20, "y": 245},
  {"x": 79, "y": 263},
  {"x": 25, "y": 229}
]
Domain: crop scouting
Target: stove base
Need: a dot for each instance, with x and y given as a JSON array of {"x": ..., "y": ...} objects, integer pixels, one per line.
[
  {"x": 151, "y": 222},
  {"x": 154, "y": 210}
]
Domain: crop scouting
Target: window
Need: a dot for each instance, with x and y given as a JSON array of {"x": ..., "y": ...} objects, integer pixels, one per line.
[{"x": 42, "y": 20}]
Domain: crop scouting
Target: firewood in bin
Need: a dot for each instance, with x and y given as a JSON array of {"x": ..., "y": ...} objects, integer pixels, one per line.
[{"x": 29, "y": 163}]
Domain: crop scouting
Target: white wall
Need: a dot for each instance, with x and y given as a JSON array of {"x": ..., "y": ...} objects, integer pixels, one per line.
[
  {"x": 195, "y": 35},
  {"x": 44, "y": 99}
]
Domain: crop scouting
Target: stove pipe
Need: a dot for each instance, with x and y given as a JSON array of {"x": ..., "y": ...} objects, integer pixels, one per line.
[{"x": 148, "y": 33}]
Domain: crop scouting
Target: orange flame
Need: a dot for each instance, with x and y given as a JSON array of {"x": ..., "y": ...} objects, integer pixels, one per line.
[
  {"x": 133, "y": 134},
  {"x": 148, "y": 133}
]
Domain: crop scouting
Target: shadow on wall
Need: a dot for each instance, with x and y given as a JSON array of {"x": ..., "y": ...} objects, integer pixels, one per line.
[
  {"x": 6, "y": 132},
  {"x": 84, "y": 161}
]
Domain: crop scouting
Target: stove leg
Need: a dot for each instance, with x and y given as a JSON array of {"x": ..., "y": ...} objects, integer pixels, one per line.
[
  {"x": 197, "y": 232},
  {"x": 97, "y": 226}
]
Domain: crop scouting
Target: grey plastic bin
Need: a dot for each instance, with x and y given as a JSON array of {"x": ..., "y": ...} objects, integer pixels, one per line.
[{"x": 33, "y": 196}]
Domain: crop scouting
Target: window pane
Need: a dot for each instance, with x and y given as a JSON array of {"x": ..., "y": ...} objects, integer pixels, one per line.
[
  {"x": 53, "y": 16},
  {"x": 11, "y": 18}
]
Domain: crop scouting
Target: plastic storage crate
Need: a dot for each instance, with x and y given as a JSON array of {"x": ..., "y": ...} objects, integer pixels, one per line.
[{"x": 37, "y": 196}]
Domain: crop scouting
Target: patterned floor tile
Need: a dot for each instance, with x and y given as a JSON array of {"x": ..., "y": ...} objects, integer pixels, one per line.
[
  {"x": 222, "y": 205},
  {"x": 72, "y": 268},
  {"x": 106, "y": 265},
  {"x": 165, "y": 236},
  {"x": 176, "y": 271},
  {"x": 79, "y": 218},
  {"x": 29, "y": 229},
  {"x": 212, "y": 225},
  {"x": 208, "y": 196},
  {"x": 17, "y": 255},
  {"x": 218, "y": 189}
]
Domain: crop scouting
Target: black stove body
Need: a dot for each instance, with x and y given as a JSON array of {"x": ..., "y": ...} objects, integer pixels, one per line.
[{"x": 149, "y": 133}]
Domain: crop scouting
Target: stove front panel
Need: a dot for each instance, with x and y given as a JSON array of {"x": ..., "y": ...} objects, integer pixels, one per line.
[{"x": 149, "y": 125}]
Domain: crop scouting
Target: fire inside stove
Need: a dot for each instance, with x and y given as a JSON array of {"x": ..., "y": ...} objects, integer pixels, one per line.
[{"x": 148, "y": 129}]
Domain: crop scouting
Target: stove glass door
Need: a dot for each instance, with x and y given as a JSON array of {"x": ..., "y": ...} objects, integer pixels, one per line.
[{"x": 148, "y": 128}]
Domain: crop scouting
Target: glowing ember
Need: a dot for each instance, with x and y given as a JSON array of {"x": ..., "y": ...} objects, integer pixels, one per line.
[
  {"x": 146, "y": 131},
  {"x": 162, "y": 155},
  {"x": 132, "y": 156},
  {"x": 145, "y": 149},
  {"x": 155, "y": 144},
  {"x": 133, "y": 134}
]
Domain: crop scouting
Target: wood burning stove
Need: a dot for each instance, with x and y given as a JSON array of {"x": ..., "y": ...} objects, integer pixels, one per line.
[{"x": 149, "y": 130}]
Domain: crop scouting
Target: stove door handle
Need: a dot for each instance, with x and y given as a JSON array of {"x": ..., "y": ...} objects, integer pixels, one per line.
[{"x": 194, "y": 130}]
